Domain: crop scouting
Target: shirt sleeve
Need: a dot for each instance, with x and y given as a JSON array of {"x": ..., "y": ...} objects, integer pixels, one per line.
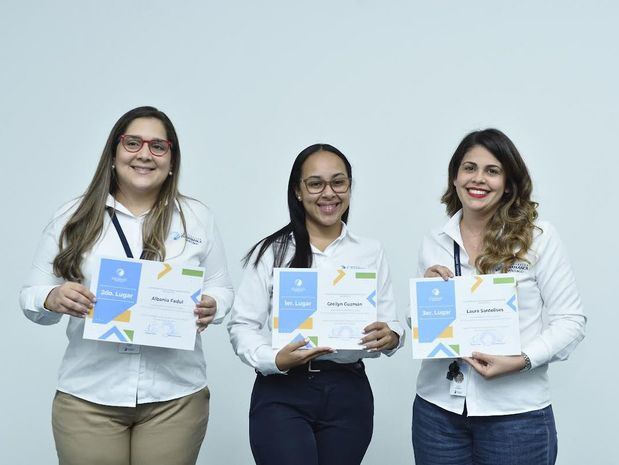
[
  {"x": 562, "y": 309},
  {"x": 249, "y": 330},
  {"x": 217, "y": 282},
  {"x": 41, "y": 280},
  {"x": 386, "y": 302}
]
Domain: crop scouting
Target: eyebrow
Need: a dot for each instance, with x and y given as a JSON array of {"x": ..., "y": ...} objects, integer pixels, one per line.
[
  {"x": 487, "y": 166},
  {"x": 315, "y": 176}
]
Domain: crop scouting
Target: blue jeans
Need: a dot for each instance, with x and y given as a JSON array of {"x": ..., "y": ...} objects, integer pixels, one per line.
[{"x": 441, "y": 437}]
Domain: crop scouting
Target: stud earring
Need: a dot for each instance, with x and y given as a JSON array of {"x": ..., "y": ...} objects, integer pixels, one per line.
[{"x": 170, "y": 173}]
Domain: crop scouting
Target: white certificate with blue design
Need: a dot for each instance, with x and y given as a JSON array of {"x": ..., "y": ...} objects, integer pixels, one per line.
[
  {"x": 463, "y": 315},
  {"x": 329, "y": 307},
  {"x": 144, "y": 302}
]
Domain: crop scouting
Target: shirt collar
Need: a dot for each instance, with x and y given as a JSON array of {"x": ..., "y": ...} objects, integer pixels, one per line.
[
  {"x": 452, "y": 228},
  {"x": 110, "y": 201},
  {"x": 345, "y": 233}
]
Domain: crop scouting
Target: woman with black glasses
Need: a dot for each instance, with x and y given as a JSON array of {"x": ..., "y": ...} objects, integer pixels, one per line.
[
  {"x": 119, "y": 403},
  {"x": 311, "y": 405},
  {"x": 490, "y": 409}
]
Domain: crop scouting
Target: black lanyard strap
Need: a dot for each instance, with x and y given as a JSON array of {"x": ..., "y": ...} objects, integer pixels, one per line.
[
  {"x": 457, "y": 264},
  {"x": 121, "y": 234}
]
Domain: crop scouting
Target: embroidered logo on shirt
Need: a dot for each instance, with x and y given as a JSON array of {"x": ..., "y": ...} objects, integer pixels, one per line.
[
  {"x": 519, "y": 267},
  {"x": 175, "y": 235}
]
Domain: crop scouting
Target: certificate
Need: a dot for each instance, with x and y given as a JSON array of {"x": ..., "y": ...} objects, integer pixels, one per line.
[
  {"x": 463, "y": 315},
  {"x": 329, "y": 307},
  {"x": 145, "y": 303}
]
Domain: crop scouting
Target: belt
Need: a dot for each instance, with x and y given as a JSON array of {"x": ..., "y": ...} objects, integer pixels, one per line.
[{"x": 317, "y": 366}]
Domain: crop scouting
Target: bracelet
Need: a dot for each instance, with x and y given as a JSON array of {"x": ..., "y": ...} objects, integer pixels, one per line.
[{"x": 527, "y": 362}]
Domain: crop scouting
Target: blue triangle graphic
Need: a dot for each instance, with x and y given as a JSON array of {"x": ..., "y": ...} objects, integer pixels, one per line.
[
  {"x": 441, "y": 348},
  {"x": 116, "y": 331}
]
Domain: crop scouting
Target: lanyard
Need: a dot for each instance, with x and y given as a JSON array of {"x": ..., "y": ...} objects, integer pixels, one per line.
[
  {"x": 121, "y": 234},
  {"x": 457, "y": 264}
]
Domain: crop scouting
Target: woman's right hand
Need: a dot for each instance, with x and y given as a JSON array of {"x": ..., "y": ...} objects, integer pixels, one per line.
[
  {"x": 291, "y": 355},
  {"x": 436, "y": 271},
  {"x": 71, "y": 298}
]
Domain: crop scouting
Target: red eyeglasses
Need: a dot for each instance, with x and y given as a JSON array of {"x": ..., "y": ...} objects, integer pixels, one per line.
[{"x": 133, "y": 144}]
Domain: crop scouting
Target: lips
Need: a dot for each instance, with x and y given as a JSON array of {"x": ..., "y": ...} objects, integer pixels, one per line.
[
  {"x": 142, "y": 169},
  {"x": 328, "y": 209},
  {"x": 477, "y": 193}
]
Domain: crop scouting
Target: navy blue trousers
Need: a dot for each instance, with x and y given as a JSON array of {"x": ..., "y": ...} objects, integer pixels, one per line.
[{"x": 306, "y": 418}]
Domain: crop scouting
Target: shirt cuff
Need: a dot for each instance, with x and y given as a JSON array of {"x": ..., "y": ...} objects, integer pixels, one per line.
[
  {"x": 538, "y": 352},
  {"x": 266, "y": 365},
  {"x": 221, "y": 303},
  {"x": 399, "y": 330},
  {"x": 33, "y": 306},
  {"x": 41, "y": 297}
]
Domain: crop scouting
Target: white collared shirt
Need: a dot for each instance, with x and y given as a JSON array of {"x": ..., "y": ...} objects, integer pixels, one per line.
[
  {"x": 552, "y": 323},
  {"x": 96, "y": 371},
  {"x": 250, "y": 321}
]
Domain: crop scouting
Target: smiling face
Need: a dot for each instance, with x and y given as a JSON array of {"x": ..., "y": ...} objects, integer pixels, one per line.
[
  {"x": 141, "y": 174},
  {"x": 480, "y": 182},
  {"x": 324, "y": 210}
]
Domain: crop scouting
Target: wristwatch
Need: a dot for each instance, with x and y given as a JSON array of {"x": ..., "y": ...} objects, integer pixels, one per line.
[{"x": 527, "y": 362}]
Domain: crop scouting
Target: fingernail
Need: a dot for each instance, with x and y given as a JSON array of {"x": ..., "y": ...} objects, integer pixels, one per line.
[{"x": 333, "y": 351}]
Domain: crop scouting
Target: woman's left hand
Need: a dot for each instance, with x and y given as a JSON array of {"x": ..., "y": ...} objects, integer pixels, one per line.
[
  {"x": 205, "y": 311},
  {"x": 491, "y": 366},
  {"x": 379, "y": 336}
]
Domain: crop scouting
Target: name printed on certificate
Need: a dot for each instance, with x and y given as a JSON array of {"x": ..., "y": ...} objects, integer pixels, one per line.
[
  {"x": 329, "y": 307},
  {"x": 463, "y": 315},
  {"x": 144, "y": 302}
]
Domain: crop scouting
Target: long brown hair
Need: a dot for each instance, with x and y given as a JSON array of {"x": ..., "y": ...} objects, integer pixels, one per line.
[
  {"x": 84, "y": 227},
  {"x": 509, "y": 233}
]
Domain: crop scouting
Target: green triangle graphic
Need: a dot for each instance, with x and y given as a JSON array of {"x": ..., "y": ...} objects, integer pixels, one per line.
[
  {"x": 314, "y": 340},
  {"x": 129, "y": 333},
  {"x": 455, "y": 347}
]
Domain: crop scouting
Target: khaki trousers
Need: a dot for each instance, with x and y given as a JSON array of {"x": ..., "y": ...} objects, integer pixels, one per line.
[{"x": 158, "y": 433}]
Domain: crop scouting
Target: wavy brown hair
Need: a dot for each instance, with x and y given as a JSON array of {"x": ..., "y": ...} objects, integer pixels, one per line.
[
  {"x": 509, "y": 232},
  {"x": 85, "y": 225}
]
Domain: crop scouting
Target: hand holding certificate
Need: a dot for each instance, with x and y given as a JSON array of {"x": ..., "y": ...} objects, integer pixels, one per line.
[
  {"x": 329, "y": 307},
  {"x": 145, "y": 303},
  {"x": 463, "y": 315}
]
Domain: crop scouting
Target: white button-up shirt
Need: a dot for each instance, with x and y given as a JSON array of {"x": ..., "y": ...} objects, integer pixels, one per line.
[
  {"x": 552, "y": 323},
  {"x": 250, "y": 321},
  {"x": 97, "y": 371}
]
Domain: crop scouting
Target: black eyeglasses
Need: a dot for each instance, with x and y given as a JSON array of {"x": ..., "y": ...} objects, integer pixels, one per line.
[
  {"x": 133, "y": 144},
  {"x": 315, "y": 185},
  {"x": 454, "y": 372}
]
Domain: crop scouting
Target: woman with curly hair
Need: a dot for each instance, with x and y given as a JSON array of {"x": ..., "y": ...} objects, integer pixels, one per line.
[{"x": 491, "y": 409}]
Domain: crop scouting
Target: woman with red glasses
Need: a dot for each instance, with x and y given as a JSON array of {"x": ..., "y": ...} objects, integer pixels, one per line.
[{"x": 119, "y": 403}]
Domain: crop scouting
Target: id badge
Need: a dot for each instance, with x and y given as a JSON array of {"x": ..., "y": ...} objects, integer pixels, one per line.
[
  {"x": 459, "y": 383},
  {"x": 128, "y": 348}
]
